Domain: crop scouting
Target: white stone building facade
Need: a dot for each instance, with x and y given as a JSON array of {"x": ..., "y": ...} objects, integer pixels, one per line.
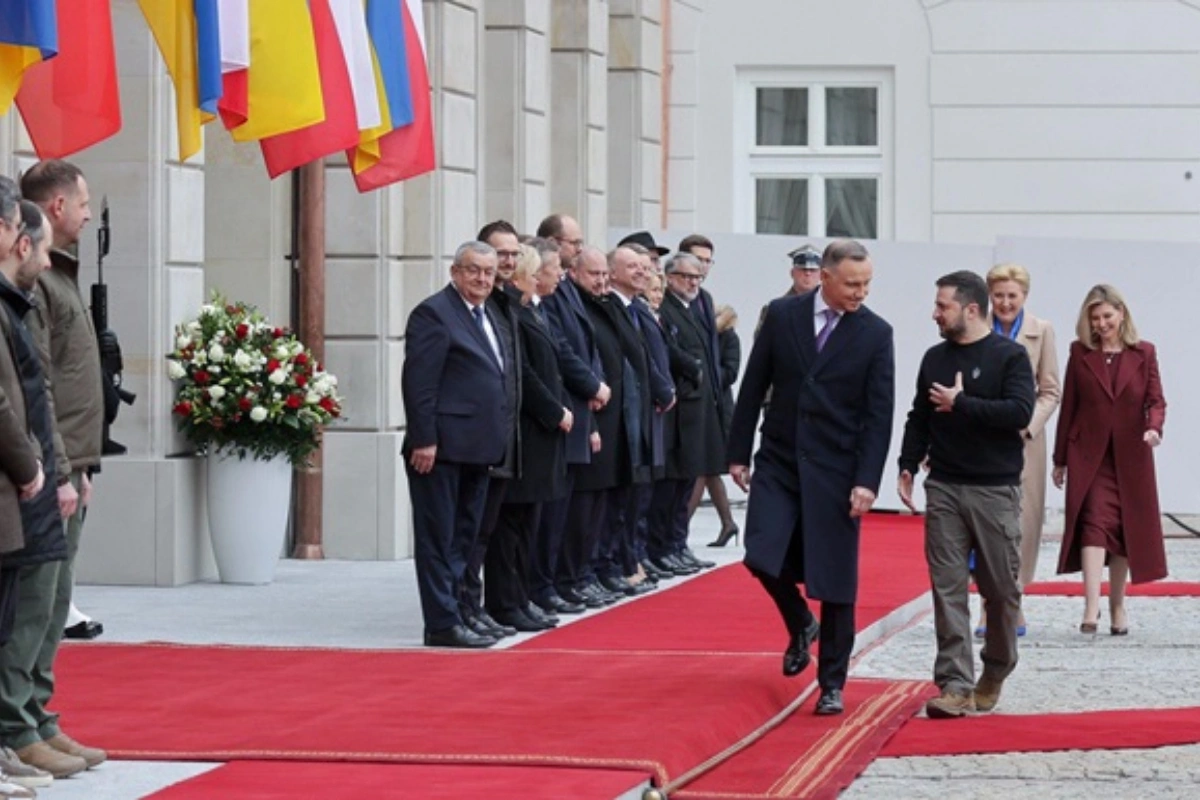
[{"x": 914, "y": 120}]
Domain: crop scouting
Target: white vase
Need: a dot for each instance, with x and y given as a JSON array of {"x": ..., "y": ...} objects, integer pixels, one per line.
[{"x": 248, "y": 505}]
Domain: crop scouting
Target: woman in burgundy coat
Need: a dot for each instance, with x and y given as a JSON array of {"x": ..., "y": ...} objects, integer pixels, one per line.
[{"x": 1112, "y": 417}]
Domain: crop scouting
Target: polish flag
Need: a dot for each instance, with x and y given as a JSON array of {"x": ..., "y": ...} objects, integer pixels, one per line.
[
  {"x": 234, "y": 21},
  {"x": 406, "y": 151}
]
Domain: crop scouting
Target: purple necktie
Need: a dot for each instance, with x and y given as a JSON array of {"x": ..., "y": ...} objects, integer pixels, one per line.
[{"x": 827, "y": 328}]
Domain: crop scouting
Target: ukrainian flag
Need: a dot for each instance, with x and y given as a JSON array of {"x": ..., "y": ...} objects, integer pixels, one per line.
[{"x": 28, "y": 34}]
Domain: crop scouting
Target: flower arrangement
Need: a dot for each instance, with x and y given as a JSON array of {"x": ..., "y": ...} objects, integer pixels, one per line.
[{"x": 247, "y": 387}]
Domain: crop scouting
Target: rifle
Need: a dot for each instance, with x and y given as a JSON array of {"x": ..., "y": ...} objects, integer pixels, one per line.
[{"x": 111, "y": 362}]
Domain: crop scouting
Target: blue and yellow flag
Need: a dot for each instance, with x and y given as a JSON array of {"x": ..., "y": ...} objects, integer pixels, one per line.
[{"x": 28, "y": 35}]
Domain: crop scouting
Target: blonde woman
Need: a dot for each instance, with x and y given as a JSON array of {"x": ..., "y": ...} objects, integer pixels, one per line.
[
  {"x": 1111, "y": 420},
  {"x": 1008, "y": 285}
]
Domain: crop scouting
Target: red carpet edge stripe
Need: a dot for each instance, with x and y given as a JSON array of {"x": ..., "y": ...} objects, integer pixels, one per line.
[{"x": 1075, "y": 589}]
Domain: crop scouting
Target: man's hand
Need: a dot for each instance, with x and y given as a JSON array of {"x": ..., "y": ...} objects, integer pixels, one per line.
[
  {"x": 567, "y": 421},
  {"x": 861, "y": 500},
  {"x": 600, "y": 400},
  {"x": 1152, "y": 438},
  {"x": 85, "y": 490},
  {"x": 422, "y": 459},
  {"x": 595, "y": 442},
  {"x": 943, "y": 397},
  {"x": 1059, "y": 476},
  {"x": 741, "y": 476},
  {"x": 905, "y": 487},
  {"x": 68, "y": 500},
  {"x": 31, "y": 489}
]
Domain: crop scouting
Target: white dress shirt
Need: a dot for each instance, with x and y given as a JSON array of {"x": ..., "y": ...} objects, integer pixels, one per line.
[{"x": 488, "y": 330}]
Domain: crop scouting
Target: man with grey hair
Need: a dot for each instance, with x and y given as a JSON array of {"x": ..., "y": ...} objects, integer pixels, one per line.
[{"x": 455, "y": 402}]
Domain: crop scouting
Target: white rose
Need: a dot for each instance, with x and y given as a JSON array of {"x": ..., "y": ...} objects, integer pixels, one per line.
[
  {"x": 207, "y": 308},
  {"x": 216, "y": 353},
  {"x": 277, "y": 377},
  {"x": 216, "y": 392},
  {"x": 281, "y": 353},
  {"x": 312, "y": 398},
  {"x": 258, "y": 413},
  {"x": 201, "y": 357},
  {"x": 183, "y": 341},
  {"x": 242, "y": 359},
  {"x": 193, "y": 327},
  {"x": 321, "y": 385},
  {"x": 175, "y": 370}
]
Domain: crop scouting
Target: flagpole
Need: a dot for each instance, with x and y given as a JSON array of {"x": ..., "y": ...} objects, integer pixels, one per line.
[{"x": 312, "y": 332}]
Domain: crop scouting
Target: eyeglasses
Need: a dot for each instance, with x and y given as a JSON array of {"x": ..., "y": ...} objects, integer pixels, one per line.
[
  {"x": 691, "y": 277},
  {"x": 576, "y": 243}
]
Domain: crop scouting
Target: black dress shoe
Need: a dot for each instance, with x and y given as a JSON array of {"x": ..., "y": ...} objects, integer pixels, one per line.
[
  {"x": 574, "y": 596},
  {"x": 688, "y": 557},
  {"x": 796, "y": 657},
  {"x": 497, "y": 628},
  {"x": 829, "y": 703},
  {"x": 85, "y": 629},
  {"x": 476, "y": 625},
  {"x": 617, "y": 585},
  {"x": 521, "y": 621},
  {"x": 556, "y": 605},
  {"x": 678, "y": 565},
  {"x": 537, "y": 615},
  {"x": 598, "y": 592},
  {"x": 458, "y": 636},
  {"x": 655, "y": 571},
  {"x": 811, "y": 632}
]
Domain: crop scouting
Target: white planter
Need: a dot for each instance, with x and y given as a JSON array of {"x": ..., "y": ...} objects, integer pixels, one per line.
[{"x": 248, "y": 504}]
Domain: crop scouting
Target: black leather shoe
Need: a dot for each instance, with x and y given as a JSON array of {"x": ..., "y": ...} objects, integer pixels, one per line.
[
  {"x": 677, "y": 564},
  {"x": 458, "y": 636},
  {"x": 598, "y": 592},
  {"x": 86, "y": 629},
  {"x": 575, "y": 596},
  {"x": 811, "y": 632},
  {"x": 497, "y": 628},
  {"x": 617, "y": 585},
  {"x": 521, "y": 621},
  {"x": 474, "y": 624},
  {"x": 688, "y": 557},
  {"x": 655, "y": 571},
  {"x": 642, "y": 587},
  {"x": 829, "y": 703},
  {"x": 557, "y": 605},
  {"x": 537, "y": 615},
  {"x": 796, "y": 657}
]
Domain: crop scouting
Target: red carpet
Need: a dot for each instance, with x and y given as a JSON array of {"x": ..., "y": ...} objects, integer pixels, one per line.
[
  {"x": 1044, "y": 733},
  {"x": 1157, "y": 589},
  {"x": 815, "y": 757},
  {"x": 279, "y": 780},
  {"x": 726, "y": 610}
]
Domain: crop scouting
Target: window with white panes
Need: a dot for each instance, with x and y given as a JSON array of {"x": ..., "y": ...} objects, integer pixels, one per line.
[{"x": 814, "y": 153}]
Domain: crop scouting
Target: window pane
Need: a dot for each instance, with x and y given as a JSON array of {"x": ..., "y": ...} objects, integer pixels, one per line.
[
  {"x": 851, "y": 208},
  {"x": 851, "y": 118},
  {"x": 781, "y": 206},
  {"x": 782, "y": 116}
]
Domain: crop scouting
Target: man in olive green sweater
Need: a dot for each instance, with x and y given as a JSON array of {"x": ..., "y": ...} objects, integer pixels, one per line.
[{"x": 62, "y": 323}]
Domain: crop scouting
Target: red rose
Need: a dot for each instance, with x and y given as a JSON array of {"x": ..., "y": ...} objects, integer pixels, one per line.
[
  {"x": 277, "y": 333},
  {"x": 244, "y": 404},
  {"x": 183, "y": 408},
  {"x": 301, "y": 359},
  {"x": 272, "y": 365},
  {"x": 242, "y": 330},
  {"x": 294, "y": 401},
  {"x": 200, "y": 376},
  {"x": 301, "y": 380},
  {"x": 327, "y": 404}
]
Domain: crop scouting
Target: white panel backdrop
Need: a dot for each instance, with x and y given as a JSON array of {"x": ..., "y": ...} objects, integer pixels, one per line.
[{"x": 1161, "y": 282}]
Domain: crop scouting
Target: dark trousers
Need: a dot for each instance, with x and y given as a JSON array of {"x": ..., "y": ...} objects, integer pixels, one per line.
[
  {"x": 618, "y": 554},
  {"x": 669, "y": 501},
  {"x": 506, "y": 565},
  {"x": 587, "y": 517},
  {"x": 643, "y": 496},
  {"x": 447, "y": 506},
  {"x": 471, "y": 597},
  {"x": 548, "y": 542},
  {"x": 837, "y": 624}
]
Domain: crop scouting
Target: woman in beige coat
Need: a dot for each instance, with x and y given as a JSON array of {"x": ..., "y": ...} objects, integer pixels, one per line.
[{"x": 1008, "y": 285}]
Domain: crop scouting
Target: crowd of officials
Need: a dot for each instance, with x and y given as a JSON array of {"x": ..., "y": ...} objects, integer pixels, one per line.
[
  {"x": 51, "y": 430},
  {"x": 563, "y": 428}
]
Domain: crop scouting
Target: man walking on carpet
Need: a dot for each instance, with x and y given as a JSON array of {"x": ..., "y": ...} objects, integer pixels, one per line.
[
  {"x": 828, "y": 361},
  {"x": 975, "y": 396}
]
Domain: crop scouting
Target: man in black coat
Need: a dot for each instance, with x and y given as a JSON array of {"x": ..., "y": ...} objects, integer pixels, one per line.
[
  {"x": 694, "y": 436},
  {"x": 829, "y": 363},
  {"x": 456, "y": 405}
]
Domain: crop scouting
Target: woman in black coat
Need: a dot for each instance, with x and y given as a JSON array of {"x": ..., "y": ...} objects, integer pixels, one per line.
[{"x": 731, "y": 362}]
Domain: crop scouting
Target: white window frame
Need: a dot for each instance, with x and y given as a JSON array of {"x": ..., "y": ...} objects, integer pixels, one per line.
[{"x": 816, "y": 161}]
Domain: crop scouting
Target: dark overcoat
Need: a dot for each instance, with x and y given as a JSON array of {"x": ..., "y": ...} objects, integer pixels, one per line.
[
  {"x": 694, "y": 434},
  {"x": 543, "y": 401},
  {"x": 1091, "y": 416},
  {"x": 825, "y": 432},
  {"x": 579, "y": 363}
]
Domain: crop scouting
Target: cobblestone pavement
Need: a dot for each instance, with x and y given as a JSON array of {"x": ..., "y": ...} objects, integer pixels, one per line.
[{"x": 1062, "y": 670}]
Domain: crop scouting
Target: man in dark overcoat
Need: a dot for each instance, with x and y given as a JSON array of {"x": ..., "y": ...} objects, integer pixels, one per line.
[{"x": 829, "y": 363}]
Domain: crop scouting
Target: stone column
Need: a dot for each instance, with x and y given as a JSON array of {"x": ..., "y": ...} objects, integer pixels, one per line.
[
  {"x": 387, "y": 251},
  {"x": 516, "y": 154},
  {"x": 635, "y": 61},
  {"x": 578, "y": 112},
  {"x": 685, "y": 16}
]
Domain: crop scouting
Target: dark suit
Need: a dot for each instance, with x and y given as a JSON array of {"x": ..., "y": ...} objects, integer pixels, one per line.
[
  {"x": 453, "y": 390},
  {"x": 826, "y": 431}
]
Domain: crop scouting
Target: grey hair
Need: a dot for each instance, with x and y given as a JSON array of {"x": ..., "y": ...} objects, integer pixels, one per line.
[
  {"x": 681, "y": 258},
  {"x": 36, "y": 223},
  {"x": 10, "y": 196},
  {"x": 478, "y": 248},
  {"x": 544, "y": 247}
]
